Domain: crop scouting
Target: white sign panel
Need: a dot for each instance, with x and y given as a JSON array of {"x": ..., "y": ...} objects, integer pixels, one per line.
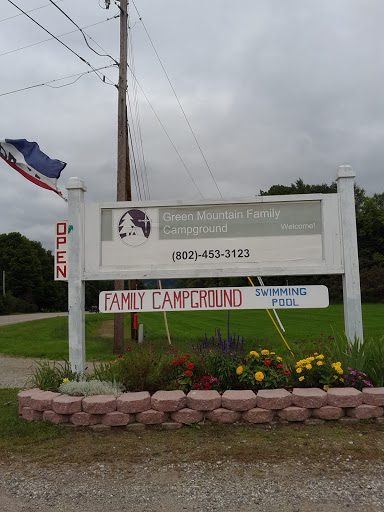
[
  {"x": 61, "y": 251},
  {"x": 195, "y": 299}
]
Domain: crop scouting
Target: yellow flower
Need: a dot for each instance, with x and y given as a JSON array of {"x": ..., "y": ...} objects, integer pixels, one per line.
[
  {"x": 239, "y": 370},
  {"x": 315, "y": 353},
  {"x": 301, "y": 378},
  {"x": 273, "y": 353},
  {"x": 308, "y": 366},
  {"x": 319, "y": 363},
  {"x": 335, "y": 377},
  {"x": 259, "y": 376},
  {"x": 253, "y": 353},
  {"x": 279, "y": 359},
  {"x": 65, "y": 380},
  {"x": 320, "y": 356},
  {"x": 341, "y": 379},
  {"x": 325, "y": 388},
  {"x": 310, "y": 359},
  {"x": 299, "y": 370},
  {"x": 339, "y": 371},
  {"x": 265, "y": 352}
]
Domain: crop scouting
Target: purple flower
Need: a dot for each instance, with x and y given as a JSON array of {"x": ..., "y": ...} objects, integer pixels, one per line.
[
  {"x": 367, "y": 383},
  {"x": 353, "y": 373},
  {"x": 349, "y": 369}
]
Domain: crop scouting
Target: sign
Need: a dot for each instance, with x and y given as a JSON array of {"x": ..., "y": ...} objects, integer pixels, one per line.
[
  {"x": 200, "y": 299},
  {"x": 267, "y": 236},
  {"x": 60, "y": 263}
]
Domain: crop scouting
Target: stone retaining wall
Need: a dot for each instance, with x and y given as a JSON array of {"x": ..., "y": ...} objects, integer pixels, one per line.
[{"x": 172, "y": 409}]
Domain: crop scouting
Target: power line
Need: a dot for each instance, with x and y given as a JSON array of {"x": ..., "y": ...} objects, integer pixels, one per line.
[
  {"x": 167, "y": 134},
  {"x": 57, "y": 39},
  {"x": 60, "y": 35},
  {"x": 79, "y": 75},
  {"x": 178, "y": 101},
  {"x": 36, "y": 9},
  {"x": 81, "y": 31}
]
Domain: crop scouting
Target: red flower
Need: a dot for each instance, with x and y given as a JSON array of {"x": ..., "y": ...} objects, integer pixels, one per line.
[
  {"x": 187, "y": 373},
  {"x": 286, "y": 371},
  {"x": 181, "y": 360},
  {"x": 267, "y": 362},
  {"x": 186, "y": 355},
  {"x": 120, "y": 357},
  {"x": 128, "y": 348},
  {"x": 175, "y": 362},
  {"x": 280, "y": 365},
  {"x": 177, "y": 384},
  {"x": 190, "y": 366}
]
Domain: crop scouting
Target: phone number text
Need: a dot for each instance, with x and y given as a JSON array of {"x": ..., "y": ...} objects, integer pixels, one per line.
[{"x": 210, "y": 254}]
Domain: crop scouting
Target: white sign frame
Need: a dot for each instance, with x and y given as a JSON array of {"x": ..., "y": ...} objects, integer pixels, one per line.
[
  {"x": 330, "y": 262},
  {"x": 340, "y": 256}
]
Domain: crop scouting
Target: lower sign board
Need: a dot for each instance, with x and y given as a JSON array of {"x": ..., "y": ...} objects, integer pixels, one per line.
[{"x": 199, "y": 299}]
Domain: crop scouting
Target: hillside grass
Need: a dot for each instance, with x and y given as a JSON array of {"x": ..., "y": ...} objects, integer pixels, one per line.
[{"x": 48, "y": 339}]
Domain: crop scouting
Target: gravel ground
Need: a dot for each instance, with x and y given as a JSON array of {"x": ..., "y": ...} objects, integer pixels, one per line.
[{"x": 299, "y": 486}]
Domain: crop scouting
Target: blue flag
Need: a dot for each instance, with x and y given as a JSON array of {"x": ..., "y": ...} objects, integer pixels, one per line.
[{"x": 28, "y": 159}]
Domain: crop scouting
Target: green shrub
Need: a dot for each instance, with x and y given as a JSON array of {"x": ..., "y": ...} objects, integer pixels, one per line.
[{"x": 48, "y": 376}]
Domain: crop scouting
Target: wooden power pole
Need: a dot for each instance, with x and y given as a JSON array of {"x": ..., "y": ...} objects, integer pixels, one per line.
[{"x": 123, "y": 168}]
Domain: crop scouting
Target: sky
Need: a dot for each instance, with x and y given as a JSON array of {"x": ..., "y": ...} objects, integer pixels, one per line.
[{"x": 274, "y": 91}]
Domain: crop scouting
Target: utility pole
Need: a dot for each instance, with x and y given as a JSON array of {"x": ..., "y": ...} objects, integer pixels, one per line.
[{"x": 123, "y": 168}]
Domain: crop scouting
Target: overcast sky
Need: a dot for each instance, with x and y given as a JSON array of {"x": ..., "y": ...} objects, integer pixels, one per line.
[{"x": 275, "y": 90}]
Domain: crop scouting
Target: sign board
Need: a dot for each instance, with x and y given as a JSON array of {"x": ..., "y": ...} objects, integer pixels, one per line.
[
  {"x": 61, "y": 251},
  {"x": 263, "y": 236},
  {"x": 199, "y": 299}
]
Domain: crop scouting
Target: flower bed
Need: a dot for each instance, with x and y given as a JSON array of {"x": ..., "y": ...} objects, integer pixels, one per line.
[{"x": 172, "y": 409}]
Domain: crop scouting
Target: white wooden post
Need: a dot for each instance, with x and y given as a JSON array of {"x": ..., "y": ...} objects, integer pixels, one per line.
[
  {"x": 351, "y": 278},
  {"x": 76, "y": 288}
]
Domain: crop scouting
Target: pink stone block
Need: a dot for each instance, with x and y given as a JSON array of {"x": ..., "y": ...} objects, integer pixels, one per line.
[
  {"x": 309, "y": 398},
  {"x": 187, "y": 416},
  {"x": 55, "y": 418},
  {"x": 328, "y": 412},
  {"x": 31, "y": 415},
  {"x": 373, "y": 396},
  {"x": 117, "y": 419},
  {"x": 99, "y": 404},
  {"x": 43, "y": 401},
  {"x": 203, "y": 400},
  {"x": 344, "y": 397},
  {"x": 222, "y": 415},
  {"x": 152, "y": 417},
  {"x": 258, "y": 415},
  {"x": 365, "y": 411},
  {"x": 24, "y": 396},
  {"x": 273, "y": 398},
  {"x": 168, "y": 401},
  {"x": 238, "y": 400},
  {"x": 294, "y": 413},
  {"x": 134, "y": 402},
  {"x": 66, "y": 404},
  {"x": 84, "y": 419}
]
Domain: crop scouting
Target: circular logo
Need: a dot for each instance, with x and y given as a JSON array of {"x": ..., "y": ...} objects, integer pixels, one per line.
[{"x": 134, "y": 227}]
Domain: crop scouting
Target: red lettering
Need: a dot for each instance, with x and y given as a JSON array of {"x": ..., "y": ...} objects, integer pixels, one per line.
[
  {"x": 106, "y": 298},
  {"x": 62, "y": 225},
  {"x": 115, "y": 300},
  {"x": 194, "y": 305},
  {"x": 185, "y": 297},
  {"x": 60, "y": 240},
  {"x": 203, "y": 297},
  {"x": 62, "y": 271},
  {"x": 153, "y": 300},
  {"x": 240, "y": 298},
  {"x": 60, "y": 258}
]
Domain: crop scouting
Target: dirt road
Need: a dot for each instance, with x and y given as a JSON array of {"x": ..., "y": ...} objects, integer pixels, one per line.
[{"x": 27, "y": 317}]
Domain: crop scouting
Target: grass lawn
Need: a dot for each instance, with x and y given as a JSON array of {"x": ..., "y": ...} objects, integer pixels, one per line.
[
  {"x": 49, "y": 338},
  {"x": 45, "y": 443}
]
